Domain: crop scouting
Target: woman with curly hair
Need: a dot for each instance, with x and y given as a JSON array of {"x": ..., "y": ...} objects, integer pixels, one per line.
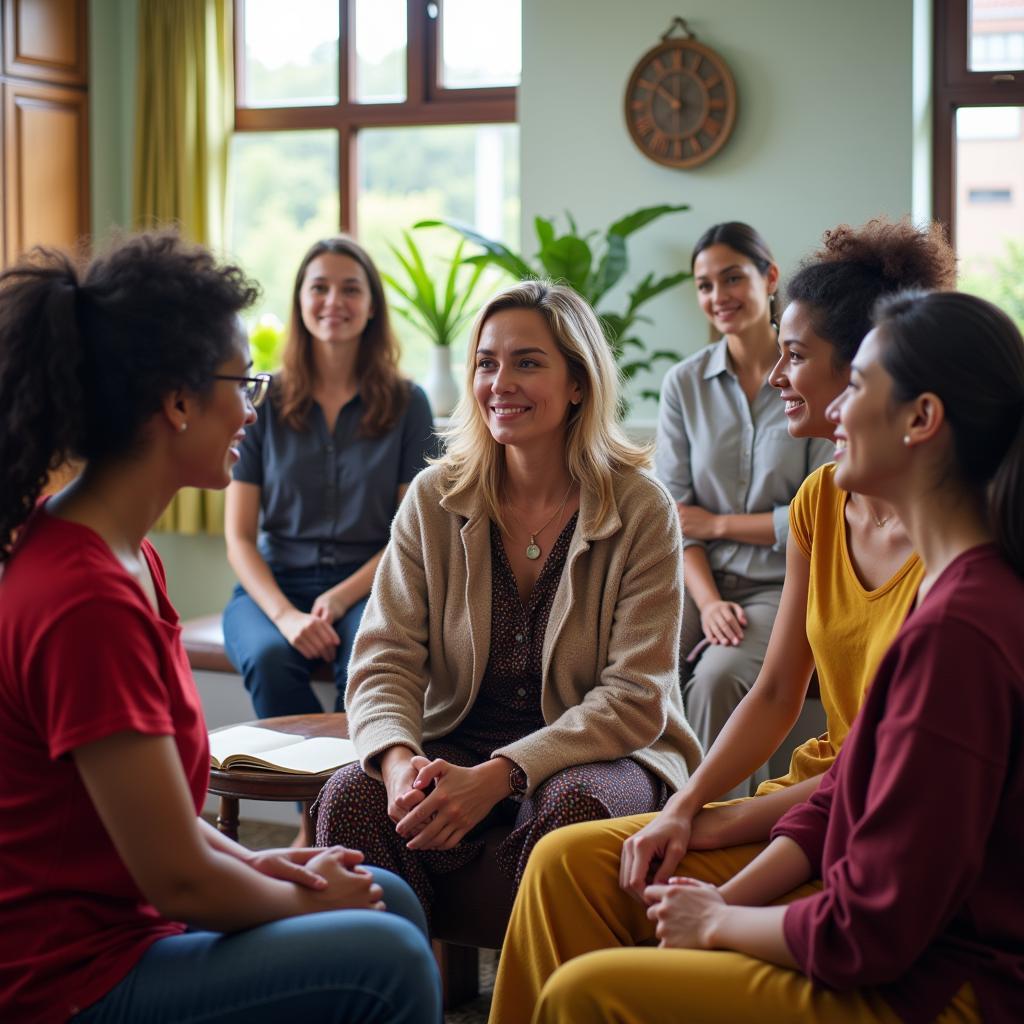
[
  {"x": 892, "y": 883},
  {"x": 120, "y": 903},
  {"x": 514, "y": 663},
  {"x": 321, "y": 474},
  {"x": 851, "y": 578}
]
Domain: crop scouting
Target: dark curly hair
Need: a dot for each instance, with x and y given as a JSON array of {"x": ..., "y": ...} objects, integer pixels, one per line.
[
  {"x": 855, "y": 267},
  {"x": 87, "y": 355},
  {"x": 384, "y": 392},
  {"x": 971, "y": 354}
]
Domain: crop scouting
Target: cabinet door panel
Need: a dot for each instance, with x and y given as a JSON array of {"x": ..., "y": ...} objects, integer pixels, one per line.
[
  {"x": 45, "y": 40},
  {"x": 46, "y": 160}
]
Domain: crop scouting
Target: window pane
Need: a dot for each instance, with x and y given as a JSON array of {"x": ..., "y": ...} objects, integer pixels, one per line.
[
  {"x": 468, "y": 173},
  {"x": 990, "y": 205},
  {"x": 996, "y": 36},
  {"x": 291, "y": 53},
  {"x": 380, "y": 27},
  {"x": 481, "y": 43},
  {"x": 283, "y": 197}
]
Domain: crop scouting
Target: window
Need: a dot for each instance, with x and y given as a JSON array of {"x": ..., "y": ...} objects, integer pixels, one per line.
[
  {"x": 978, "y": 143},
  {"x": 367, "y": 116}
]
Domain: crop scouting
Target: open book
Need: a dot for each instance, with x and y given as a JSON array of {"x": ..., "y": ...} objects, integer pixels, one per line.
[{"x": 245, "y": 746}]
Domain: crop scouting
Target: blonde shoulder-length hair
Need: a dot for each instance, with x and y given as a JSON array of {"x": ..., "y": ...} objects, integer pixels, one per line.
[{"x": 596, "y": 446}]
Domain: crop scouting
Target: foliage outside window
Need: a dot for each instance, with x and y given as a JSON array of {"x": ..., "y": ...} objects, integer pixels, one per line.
[{"x": 367, "y": 116}]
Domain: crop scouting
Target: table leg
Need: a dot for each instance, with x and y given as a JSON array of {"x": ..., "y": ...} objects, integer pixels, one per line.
[{"x": 227, "y": 819}]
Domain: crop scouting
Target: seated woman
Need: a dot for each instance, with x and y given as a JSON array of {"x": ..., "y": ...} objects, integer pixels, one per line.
[
  {"x": 849, "y": 585},
  {"x": 917, "y": 830},
  {"x": 138, "y": 367},
  {"x": 321, "y": 473},
  {"x": 517, "y": 655},
  {"x": 724, "y": 454}
]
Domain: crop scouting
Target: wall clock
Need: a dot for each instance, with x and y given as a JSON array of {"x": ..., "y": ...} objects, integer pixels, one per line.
[{"x": 680, "y": 101}]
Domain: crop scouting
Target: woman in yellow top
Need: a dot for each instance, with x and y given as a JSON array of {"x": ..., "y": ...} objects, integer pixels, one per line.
[{"x": 851, "y": 578}]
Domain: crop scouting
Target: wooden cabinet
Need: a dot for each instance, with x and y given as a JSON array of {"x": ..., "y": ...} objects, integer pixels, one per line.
[{"x": 45, "y": 125}]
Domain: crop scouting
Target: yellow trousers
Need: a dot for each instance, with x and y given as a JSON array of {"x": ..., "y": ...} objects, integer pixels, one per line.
[{"x": 570, "y": 904}]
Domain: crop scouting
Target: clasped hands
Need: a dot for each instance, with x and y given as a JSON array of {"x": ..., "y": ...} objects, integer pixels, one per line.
[
  {"x": 334, "y": 872},
  {"x": 312, "y": 633},
  {"x": 435, "y": 803}
]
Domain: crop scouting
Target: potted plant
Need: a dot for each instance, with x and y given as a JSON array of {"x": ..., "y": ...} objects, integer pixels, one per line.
[
  {"x": 571, "y": 258},
  {"x": 438, "y": 311}
]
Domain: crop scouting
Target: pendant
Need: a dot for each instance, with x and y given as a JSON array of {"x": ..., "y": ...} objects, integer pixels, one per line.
[{"x": 532, "y": 551}]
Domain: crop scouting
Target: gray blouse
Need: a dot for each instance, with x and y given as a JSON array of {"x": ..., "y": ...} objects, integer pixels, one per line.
[
  {"x": 716, "y": 450},
  {"x": 329, "y": 498}
]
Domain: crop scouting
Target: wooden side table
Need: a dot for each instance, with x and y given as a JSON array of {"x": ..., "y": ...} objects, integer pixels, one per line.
[{"x": 234, "y": 784}]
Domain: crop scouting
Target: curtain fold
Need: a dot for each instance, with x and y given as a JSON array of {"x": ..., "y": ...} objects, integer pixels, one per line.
[{"x": 184, "y": 114}]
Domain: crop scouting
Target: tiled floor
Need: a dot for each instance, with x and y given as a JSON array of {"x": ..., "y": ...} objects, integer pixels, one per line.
[{"x": 259, "y": 836}]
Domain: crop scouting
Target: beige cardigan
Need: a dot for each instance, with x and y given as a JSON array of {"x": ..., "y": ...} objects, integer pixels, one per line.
[{"x": 610, "y": 684}]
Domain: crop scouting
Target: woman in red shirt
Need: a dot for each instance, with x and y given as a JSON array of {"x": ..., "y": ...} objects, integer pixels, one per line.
[
  {"x": 137, "y": 367},
  {"x": 917, "y": 831}
]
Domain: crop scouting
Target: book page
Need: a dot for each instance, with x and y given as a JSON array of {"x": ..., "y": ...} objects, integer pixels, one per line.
[
  {"x": 246, "y": 739},
  {"x": 310, "y": 757}
]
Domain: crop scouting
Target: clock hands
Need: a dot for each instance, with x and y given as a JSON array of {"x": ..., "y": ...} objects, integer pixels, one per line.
[{"x": 673, "y": 101}]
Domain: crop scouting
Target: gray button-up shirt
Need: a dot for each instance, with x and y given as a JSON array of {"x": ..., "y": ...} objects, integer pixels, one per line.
[
  {"x": 328, "y": 498},
  {"x": 716, "y": 450}
]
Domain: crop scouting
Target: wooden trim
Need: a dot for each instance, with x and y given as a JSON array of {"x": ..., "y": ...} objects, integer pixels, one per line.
[
  {"x": 346, "y": 52},
  {"x": 39, "y": 66},
  {"x": 348, "y": 180},
  {"x": 417, "y": 53},
  {"x": 240, "y": 78},
  {"x": 372, "y": 115}
]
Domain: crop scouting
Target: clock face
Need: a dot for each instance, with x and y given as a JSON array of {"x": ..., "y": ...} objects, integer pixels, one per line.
[{"x": 680, "y": 103}]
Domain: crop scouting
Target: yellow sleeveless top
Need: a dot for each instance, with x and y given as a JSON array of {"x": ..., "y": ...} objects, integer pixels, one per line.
[{"x": 849, "y": 628}]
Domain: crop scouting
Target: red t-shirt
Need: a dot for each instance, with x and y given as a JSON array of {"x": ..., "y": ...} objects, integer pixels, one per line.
[
  {"x": 917, "y": 829},
  {"x": 82, "y": 656}
]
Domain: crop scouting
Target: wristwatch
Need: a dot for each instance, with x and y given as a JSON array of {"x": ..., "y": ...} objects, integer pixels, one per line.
[{"x": 517, "y": 780}]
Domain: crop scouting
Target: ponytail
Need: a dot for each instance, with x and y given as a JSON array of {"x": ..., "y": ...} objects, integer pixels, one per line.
[
  {"x": 41, "y": 401},
  {"x": 1006, "y": 499}
]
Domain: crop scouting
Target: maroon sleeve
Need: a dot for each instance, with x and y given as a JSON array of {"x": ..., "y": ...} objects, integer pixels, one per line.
[
  {"x": 100, "y": 669},
  {"x": 807, "y": 823},
  {"x": 936, "y": 762}
]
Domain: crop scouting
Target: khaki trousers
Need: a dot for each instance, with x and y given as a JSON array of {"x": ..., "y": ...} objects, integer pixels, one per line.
[{"x": 570, "y": 906}]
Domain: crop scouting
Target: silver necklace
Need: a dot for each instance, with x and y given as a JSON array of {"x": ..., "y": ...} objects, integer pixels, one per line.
[{"x": 533, "y": 551}]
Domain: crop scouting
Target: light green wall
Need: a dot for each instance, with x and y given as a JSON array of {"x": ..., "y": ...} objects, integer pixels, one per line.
[
  {"x": 823, "y": 133},
  {"x": 828, "y": 118}
]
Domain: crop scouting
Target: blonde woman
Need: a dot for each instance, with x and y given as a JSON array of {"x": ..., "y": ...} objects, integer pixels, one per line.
[{"x": 516, "y": 661}]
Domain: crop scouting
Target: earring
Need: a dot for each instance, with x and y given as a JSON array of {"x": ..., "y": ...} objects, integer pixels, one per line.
[
  {"x": 773, "y": 315},
  {"x": 182, "y": 427},
  {"x": 906, "y": 440}
]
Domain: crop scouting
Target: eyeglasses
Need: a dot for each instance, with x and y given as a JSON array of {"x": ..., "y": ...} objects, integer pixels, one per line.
[{"x": 256, "y": 387}]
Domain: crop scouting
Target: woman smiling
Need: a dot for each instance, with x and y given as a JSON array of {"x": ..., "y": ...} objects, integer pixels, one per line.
[{"x": 512, "y": 664}]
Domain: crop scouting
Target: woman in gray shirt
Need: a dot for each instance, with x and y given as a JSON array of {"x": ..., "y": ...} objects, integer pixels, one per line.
[
  {"x": 318, "y": 481},
  {"x": 725, "y": 455}
]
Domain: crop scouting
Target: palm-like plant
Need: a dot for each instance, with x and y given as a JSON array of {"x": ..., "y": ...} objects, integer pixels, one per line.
[
  {"x": 570, "y": 258},
  {"x": 438, "y": 312}
]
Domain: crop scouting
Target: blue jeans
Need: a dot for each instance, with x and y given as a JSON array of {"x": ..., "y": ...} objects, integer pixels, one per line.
[
  {"x": 276, "y": 675},
  {"x": 351, "y": 966}
]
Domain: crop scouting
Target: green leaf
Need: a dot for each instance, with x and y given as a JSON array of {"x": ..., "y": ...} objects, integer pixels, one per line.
[
  {"x": 630, "y": 370},
  {"x": 664, "y": 353},
  {"x": 545, "y": 230},
  {"x": 612, "y": 266},
  {"x": 496, "y": 252},
  {"x": 648, "y": 287},
  {"x": 568, "y": 259},
  {"x": 652, "y": 396},
  {"x": 640, "y": 218}
]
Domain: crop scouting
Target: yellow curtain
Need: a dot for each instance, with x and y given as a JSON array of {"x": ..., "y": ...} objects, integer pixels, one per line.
[{"x": 184, "y": 114}]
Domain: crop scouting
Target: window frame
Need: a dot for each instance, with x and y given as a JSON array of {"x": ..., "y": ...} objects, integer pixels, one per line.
[
  {"x": 954, "y": 85},
  {"x": 427, "y": 102}
]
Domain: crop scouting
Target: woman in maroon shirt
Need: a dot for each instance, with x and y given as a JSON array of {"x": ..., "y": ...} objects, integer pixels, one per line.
[{"x": 917, "y": 831}]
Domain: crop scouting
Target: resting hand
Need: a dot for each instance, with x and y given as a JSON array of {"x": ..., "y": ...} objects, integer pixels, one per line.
[
  {"x": 697, "y": 523},
  {"x": 723, "y": 622},
  {"x": 289, "y": 865},
  {"x": 309, "y": 635},
  {"x": 460, "y": 799},
  {"x": 399, "y": 770},
  {"x": 664, "y": 842},
  {"x": 330, "y": 606},
  {"x": 348, "y": 885},
  {"x": 684, "y": 912}
]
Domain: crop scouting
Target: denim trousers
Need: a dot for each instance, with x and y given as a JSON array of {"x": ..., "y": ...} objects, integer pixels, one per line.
[
  {"x": 336, "y": 967},
  {"x": 276, "y": 675}
]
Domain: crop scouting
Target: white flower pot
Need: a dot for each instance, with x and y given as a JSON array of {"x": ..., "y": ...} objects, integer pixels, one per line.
[{"x": 440, "y": 384}]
